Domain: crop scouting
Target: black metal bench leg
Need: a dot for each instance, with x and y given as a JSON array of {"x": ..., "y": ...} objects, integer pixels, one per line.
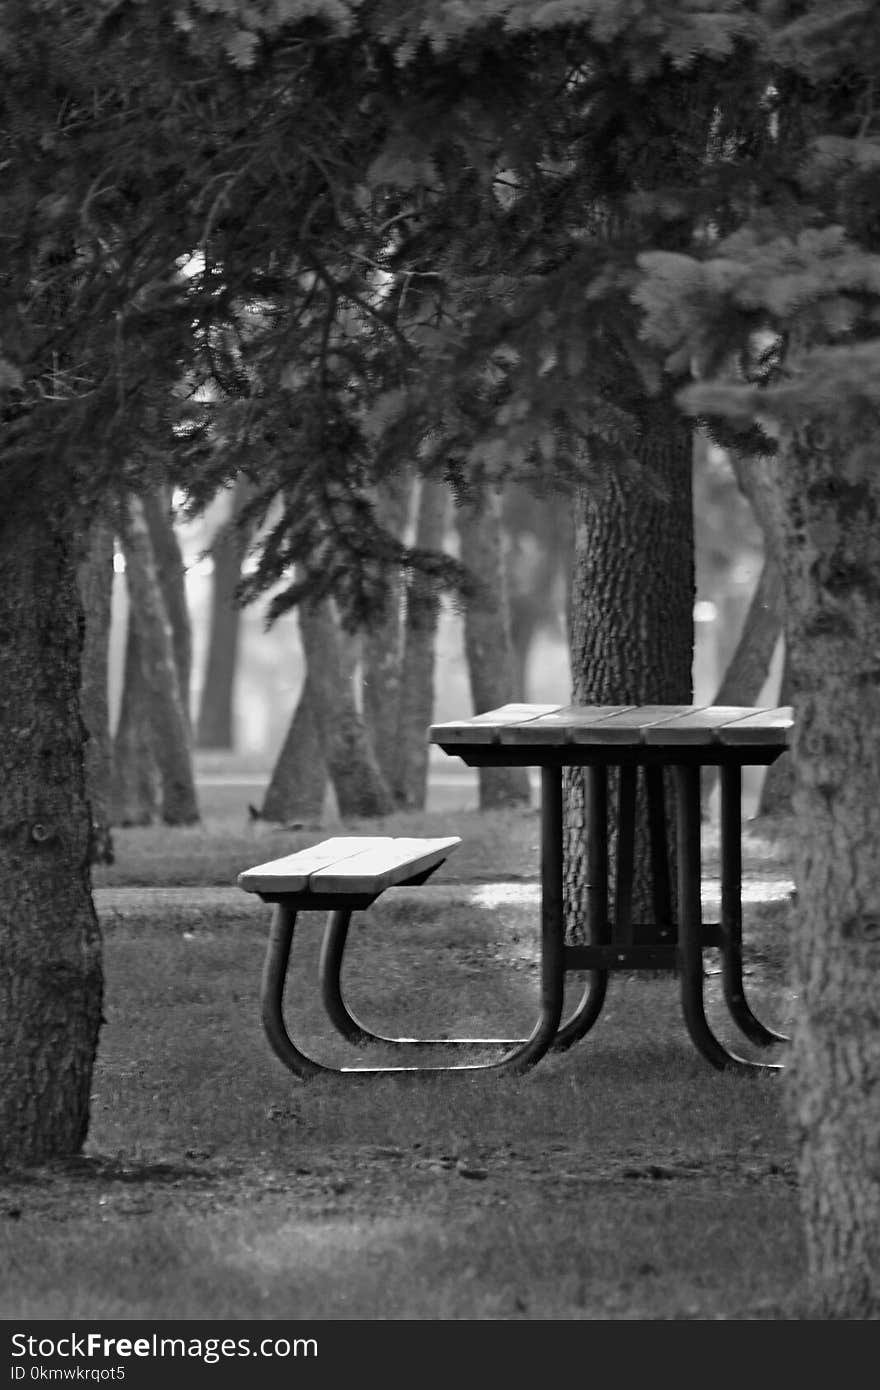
[
  {"x": 272, "y": 995},
  {"x": 329, "y": 971},
  {"x": 731, "y": 913},
  {"x": 590, "y": 1005},
  {"x": 690, "y": 951}
]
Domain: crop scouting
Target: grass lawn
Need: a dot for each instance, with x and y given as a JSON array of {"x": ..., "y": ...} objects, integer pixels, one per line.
[{"x": 624, "y": 1179}]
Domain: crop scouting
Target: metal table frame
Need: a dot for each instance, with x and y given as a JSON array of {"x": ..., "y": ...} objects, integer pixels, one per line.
[{"x": 663, "y": 944}]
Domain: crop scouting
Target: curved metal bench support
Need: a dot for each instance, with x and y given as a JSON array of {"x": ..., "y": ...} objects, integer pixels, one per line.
[{"x": 519, "y": 1057}]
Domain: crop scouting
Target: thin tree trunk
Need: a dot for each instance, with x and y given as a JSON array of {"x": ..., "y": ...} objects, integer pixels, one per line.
[
  {"x": 748, "y": 667},
  {"x": 778, "y": 785},
  {"x": 539, "y": 536},
  {"x": 216, "y": 720},
  {"x": 171, "y": 574},
  {"x": 832, "y": 560},
  {"x": 295, "y": 793},
  {"x": 410, "y": 779},
  {"x": 360, "y": 788},
  {"x": 383, "y": 639},
  {"x": 51, "y": 981},
  {"x": 134, "y": 786},
  {"x": 631, "y": 625},
  {"x": 95, "y": 577},
  {"x": 487, "y": 637},
  {"x": 170, "y": 728}
]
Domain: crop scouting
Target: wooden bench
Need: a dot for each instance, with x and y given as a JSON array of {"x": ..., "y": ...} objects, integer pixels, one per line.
[{"x": 340, "y": 876}]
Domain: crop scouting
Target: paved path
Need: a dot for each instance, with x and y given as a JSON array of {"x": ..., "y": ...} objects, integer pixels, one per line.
[{"x": 487, "y": 895}]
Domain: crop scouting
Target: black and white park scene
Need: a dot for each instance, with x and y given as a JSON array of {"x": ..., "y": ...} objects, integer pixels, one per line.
[{"x": 439, "y": 660}]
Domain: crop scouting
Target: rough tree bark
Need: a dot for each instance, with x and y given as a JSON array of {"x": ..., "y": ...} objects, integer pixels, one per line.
[
  {"x": 168, "y": 722},
  {"x": 410, "y": 776},
  {"x": 296, "y": 789},
  {"x": 95, "y": 578},
  {"x": 829, "y": 488},
  {"x": 51, "y": 981},
  {"x": 631, "y": 626},
  {"x": 487, "y": 636},
  {"x": 360, "y": 788},
  {"x": 216, "y": 718}
]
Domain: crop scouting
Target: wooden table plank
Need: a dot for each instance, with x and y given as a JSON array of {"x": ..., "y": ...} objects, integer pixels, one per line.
[
  {"x": 630, "y": 726},
  {"x": 770, "y": 726},
  {"x": 569, "y": 724},
  {"x": 656, "y": 726},
  {"x": 698, "y": 726},
  {"x": 485, "y": 728}
]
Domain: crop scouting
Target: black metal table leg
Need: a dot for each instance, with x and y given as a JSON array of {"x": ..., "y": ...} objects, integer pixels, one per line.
[
  {"x": 590, "y": 1004},
  {"x": 626, "y": 851},
  {"x": 690, "y": 951},
  {"x": 552, "y": 906},
  {"x": 664, "y": 924},
  {"x": 731, "y": 912}
]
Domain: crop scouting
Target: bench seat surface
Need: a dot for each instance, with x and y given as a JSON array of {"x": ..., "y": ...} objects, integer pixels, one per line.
[{"x": 348, "y": 864}]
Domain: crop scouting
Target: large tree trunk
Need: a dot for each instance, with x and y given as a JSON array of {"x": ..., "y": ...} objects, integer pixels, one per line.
[
  {"x": 382, "y": 641},
  {"x": 171, "y": 573},
  {"x": 169, "y": 725},
  {"x": 410, "y": 779},
  {"x": 487, "y": 636},
  {"x": 631, "y": 626},
  {"x": 295, "y": 793},
  {"x": 216, "y": 721},
  {"x": 832, "y": 564},
  {"x": 50, "y": 955},
  {"x": 360, "y": 788},
  {"x": 95, "y": 576}
]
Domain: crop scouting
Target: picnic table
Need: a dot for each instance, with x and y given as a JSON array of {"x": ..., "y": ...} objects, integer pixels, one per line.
[{"x": 654, "y": 742}]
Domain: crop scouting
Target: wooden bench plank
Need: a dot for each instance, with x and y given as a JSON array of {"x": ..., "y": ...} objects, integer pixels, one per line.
[
  {"x": 290, "y": 874},
  {"x": 379, "y": 867},
  {"x": 355, "y": 864}
]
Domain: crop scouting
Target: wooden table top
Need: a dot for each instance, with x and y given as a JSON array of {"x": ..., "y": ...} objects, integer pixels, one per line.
[{"x": 660, "y": 726}]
